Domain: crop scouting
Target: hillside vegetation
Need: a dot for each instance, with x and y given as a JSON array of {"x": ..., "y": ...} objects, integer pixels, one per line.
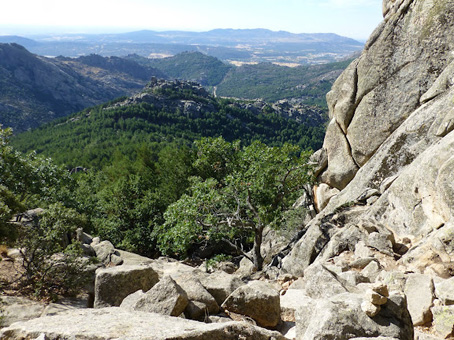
[{"x": 166, "y": 112}]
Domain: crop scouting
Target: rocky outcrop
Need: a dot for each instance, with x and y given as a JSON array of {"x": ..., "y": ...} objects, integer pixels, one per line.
[
  {"x": 405, "y": 64},
  {"x": 117, "y": 323},
  {"x": 386, "y": 195},
  {"x": 390, "y": 131},
  {"x": 165, "y": 298},
  {"x": 341, "y": 317}
]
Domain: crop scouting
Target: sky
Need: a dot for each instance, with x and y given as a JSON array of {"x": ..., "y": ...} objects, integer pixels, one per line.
[{"x": 351, "y": 18}]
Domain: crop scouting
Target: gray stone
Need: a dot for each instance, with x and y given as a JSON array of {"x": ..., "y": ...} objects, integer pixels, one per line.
[
  {"x": 201, "y": 302},
  {"x": 375, "y": 298},
  {"x": 291, "y": 301},
  {"x": 443, "y": 320},
  {"x": 419, "y": 335},
  {"x": 322, "y": 283},
  {"x": 363, "y": 252},
  {"x": 370, "y": 309},
  {"x": 113, "y": 284},
  {"x": 117, "y": 323},
  {"x": 220, "y": 285},
  {"x": 371, "y": 271},
  {"x": 257, "y": 300},
  {"x": 341, "y": 317},
  {"x": 104, "y": 250},
  {"x": 323, "y": 194},
  {"x": 444, "y": 291},
  {"x": 419, "y": 290},
  {"x": 16, "y": 308},
  {"x": 166, "y": 298},
  {"x": 341, "y": 166},
  {"x": 130, "y": 301}
]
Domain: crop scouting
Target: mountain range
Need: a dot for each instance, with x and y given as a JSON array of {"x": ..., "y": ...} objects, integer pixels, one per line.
[
  {"x": 233, "y": 45},
  {"x": 35, "y": 89}
]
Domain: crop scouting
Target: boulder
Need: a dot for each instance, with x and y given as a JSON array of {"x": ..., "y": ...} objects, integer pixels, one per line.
[
  {"x": 117, "y": 323},
  {"x": 419, "y": 290},
  {"x": 113, "y": 284},
  {"x": 291, "y": 301},
  {"x": 220, "y": 285},
  {"x": 323, "y": 194},
  {"x": 443, "y": 320},
  {"x": 444, "y": 291},
  {"x": 257, "y": 300},
  {"x": 341, "y": 317},
  {"x": 106, "y": 253},
  {"x": 322, "y": 283},
  {"x": 201, "y": 302},
  {"x": 130, "y": 301},
  {"x": 16, "y": 308},
  {"x": 166, "y": 298}
]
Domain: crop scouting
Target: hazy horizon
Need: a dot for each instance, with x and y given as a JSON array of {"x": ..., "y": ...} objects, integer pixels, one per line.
[{"x": 350, "y": 18}]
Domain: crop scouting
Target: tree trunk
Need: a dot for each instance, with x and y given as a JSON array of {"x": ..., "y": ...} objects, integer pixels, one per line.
[{"x": 258, "y": 238}]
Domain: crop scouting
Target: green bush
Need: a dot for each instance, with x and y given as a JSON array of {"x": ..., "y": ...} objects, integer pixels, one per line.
[{"x": 52, "y": 261}]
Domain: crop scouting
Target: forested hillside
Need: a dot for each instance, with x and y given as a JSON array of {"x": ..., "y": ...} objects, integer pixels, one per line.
[
  {"x": 134, "y": 157},
  {"x": 166, "y": 112}
]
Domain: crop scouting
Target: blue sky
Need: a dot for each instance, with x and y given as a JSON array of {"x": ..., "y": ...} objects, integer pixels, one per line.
[{"x": 352, "y": 18}]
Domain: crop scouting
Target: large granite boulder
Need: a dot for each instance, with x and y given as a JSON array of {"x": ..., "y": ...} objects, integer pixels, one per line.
[
  {"x": 166, "y": 298},
  {"x": 117, "y": 323},
  {"x": 341, "y": 317},
  {"x": 391, "y": 130},
  {"x": 113, "y": 284},
  {"x": 220, "y": 284},
  {"x": 259, "y": 300}
]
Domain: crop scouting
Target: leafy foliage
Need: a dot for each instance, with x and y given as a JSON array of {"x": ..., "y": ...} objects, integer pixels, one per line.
[
  {"x": 51, "y": 262},
  {"x": 242, "y": 191},
  {"x": 49, "y": 259}
]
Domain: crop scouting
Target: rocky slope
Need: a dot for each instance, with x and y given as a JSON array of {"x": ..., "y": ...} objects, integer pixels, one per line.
[
  {"x": 35, "y": 90},
  {"x": 386, "y": 168}
]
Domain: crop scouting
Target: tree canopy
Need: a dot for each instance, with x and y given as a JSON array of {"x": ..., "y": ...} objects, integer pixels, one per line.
[{"x": 238, "y": 192}]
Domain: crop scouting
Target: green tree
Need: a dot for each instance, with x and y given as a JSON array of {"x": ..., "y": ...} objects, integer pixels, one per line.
[
  {"x": 51, "y": 260},
  {"x": 259, "y": 184}
]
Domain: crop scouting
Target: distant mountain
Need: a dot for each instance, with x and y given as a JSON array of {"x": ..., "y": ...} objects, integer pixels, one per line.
[
  {"x": 308, "y": 84},
  {"x": 234, "y": 45},
  {"x": 169, "y": 111},
  {"x": 193, "y": 66},
  {"x": 35, "y": 90},
  {"x": 270, "y": 82}
]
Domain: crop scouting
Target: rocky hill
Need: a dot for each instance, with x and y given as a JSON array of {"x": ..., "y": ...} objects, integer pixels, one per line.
[
  {"x": 377, "y": 260},
  {"x": 35, "y": 90}
]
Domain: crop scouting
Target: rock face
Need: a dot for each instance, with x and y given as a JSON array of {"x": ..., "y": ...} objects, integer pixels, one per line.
[
  {"x": 386, "y": 191},
  {"x": 117, "y": 323},
  {"x": 391, "y": 128}
]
